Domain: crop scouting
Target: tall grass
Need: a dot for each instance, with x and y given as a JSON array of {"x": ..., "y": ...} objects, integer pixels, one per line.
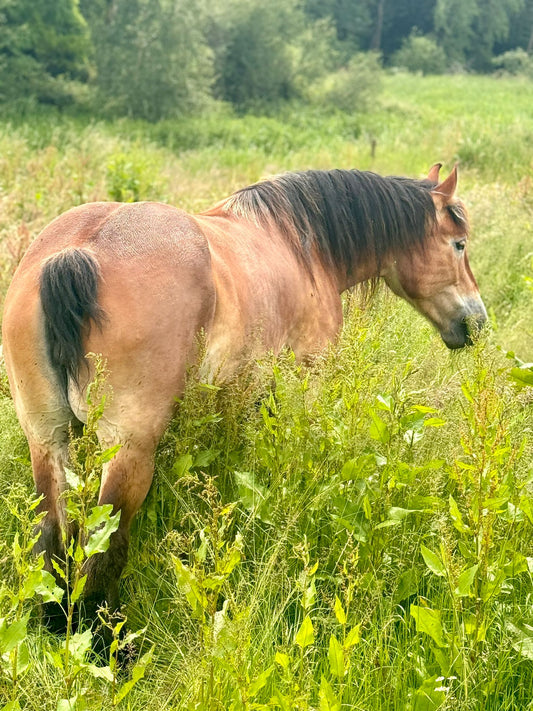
[{"x": 358, "y": 532}]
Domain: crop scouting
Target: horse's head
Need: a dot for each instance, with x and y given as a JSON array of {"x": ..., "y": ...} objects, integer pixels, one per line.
[{"x": 436, "y": 278}]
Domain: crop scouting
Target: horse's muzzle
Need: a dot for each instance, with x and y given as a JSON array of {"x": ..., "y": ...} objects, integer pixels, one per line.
[{"x": 467, "y": 328}]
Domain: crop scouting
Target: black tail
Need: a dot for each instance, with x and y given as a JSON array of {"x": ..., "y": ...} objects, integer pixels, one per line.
[{"x": 69, "y": 289}]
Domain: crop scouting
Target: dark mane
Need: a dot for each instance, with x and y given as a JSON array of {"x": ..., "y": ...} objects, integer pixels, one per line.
[{"x": 345, "y": 213}]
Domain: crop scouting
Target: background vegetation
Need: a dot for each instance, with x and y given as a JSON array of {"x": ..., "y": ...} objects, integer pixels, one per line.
[
  {"x": 362, "y": 538},
  {"x": 165, "y": 58}
]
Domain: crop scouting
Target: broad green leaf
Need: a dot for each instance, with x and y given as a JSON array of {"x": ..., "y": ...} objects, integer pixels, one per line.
[
  {"x": 434, "y": 422},
  {"x": 429, "y": 621},
  {"x": 336, "y": 657},
  {"x": 48, "y": 589},
  {"x": 282, "y": 659},
  {"x": 378, "y": 429},
  {"x": 59, "y": 570},
  {"x": 465, "y": 581},
  {"x": 43, "y": 583},
  {"x": 430, "y": 696},
  {"x": 518, "y": 564},
  {"x": 493, "y": 586},
  {"x": 11, "y": 706},
  {"x": 474, "y": 627},
  {"x": 12, "y": 634},
  {"x": 526, "y": 506},
  {"x": 306, "y": 634},
  {"x": 137, "y": 673},
  {"x": 231, "y": 559},
  {"x": 205, "y": 457},
  {"x": 107, "y": 455},
  {"x": 385, "y": 402},
  {"x": 256, "y": 685},
  {"x": 523, "y": 377},
  {"x": 79, "y": 553},
  {"x": 189, "y": 586},
  {"x": 100, "y": 672},
  {"x": 466, "y": 392},
  {"x": 424, "y": 408},
  {"x": 182, "y": 465},
  {"x": 407, "y": 585},
  {"x": 433, "y": 561},
  {"x": 23, "y": 658},
  {"x": 358, "y": 469},
  {"x": 75, "y": 703},
  {"x": 309, "y": 595},
  {"x": 456, "y": 516},
  {"x": 79, "y": 645},
  {"x": 251, "y": 493},
  {"x": 98, "y": 515},
  {"x": 353, "y": 637},
  {"x": 396, "y": 516},
  {"x": 326, "y": 695},
  {"x": 73, "y": 480},
  {"x": 339, "y": 611},
  {"x": 106, "y": 523},
  {"x": 281, "y": 701},
  {"x": 78, "y": 588}
]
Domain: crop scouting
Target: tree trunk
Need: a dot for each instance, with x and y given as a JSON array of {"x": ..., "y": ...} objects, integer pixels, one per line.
[{"x": 376, "y": 39}]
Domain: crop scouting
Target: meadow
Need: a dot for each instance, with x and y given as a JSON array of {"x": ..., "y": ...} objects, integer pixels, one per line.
[{"x": 358, "y": 536}]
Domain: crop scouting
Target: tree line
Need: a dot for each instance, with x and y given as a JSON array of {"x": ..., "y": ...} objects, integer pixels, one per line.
[{"x": 162, "y": 58}]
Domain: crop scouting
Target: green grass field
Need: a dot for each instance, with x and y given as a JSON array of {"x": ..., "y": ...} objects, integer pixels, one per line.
[{"x": 364, "y": 539}]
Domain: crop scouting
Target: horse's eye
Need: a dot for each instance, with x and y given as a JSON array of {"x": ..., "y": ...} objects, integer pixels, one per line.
[{"x": 460, "y": 246}]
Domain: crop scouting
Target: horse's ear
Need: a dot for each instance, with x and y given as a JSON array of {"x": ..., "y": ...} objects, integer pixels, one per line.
[
  {"x": 433, "y": 175},
  {"x": 445, "y": 191}
]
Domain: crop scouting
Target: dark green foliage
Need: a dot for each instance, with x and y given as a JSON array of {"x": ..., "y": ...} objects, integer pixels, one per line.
[
  {"x": 419, "y": 53},
  {"x": 150, "y": 56},
  {"x": 42, "y": 44},
  {"x": 268, "y": 52},
  {"x": 173, "y": 58}
]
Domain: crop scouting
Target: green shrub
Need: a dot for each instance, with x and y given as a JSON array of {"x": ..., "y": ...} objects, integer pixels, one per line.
[
  {"x": 420, "y": 53},
  {"x": 353, "y": 87},
  {"x": 515, "y": 61}
]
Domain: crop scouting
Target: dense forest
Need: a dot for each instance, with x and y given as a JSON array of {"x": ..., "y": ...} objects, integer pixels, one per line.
[{"x": 164, "y": 58}]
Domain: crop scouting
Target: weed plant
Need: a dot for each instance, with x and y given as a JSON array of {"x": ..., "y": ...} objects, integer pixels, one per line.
[{"x": 351, "y": 534}]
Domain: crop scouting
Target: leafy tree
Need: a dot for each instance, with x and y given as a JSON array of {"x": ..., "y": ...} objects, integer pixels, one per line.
[
  {"x": 151, "y": 57},
  {"x": 353, "y": 19},
  {"x": 42, "y": 43},
  {"x": 492, "y": 25},
  {"x": 401, "y": 19},
  {"x": 469, "y": 29},
  {"x": 454, "y": 26},
  {"x": 520, "y": 30},
  {"x": 420, "y": 53},
  {"x": 268, "y": 52}
]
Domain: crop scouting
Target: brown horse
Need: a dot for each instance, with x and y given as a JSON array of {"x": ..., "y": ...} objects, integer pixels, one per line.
[{"x": 262, "y": 269}]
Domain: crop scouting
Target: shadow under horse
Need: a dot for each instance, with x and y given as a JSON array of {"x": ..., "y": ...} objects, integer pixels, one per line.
[{"x": 263, "y": 269}]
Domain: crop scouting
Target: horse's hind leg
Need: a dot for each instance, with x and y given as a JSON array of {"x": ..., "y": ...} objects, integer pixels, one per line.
[
  {"x": 125, "y": 483},
  {"x": 48, "y": 458}
]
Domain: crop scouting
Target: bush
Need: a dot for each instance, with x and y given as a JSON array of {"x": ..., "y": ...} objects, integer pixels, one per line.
[
  {"x": 351, "y": 88},
  {"x": 420, "y": 53},
  {"x": 515, "y": 61},
  {"x": 151, "y": 58}
]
